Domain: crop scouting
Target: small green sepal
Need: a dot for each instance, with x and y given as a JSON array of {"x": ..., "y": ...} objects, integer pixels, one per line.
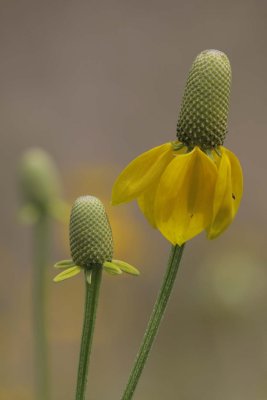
[
  {"x": 125, "y": 267},
  {"x": 64, "y": 264},
  {"x": 111, "y": 268},
  {"x": 68, "y": 273}
]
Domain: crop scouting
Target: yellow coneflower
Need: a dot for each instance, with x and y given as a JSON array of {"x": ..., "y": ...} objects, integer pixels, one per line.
[{"x": 193, "y": 183}]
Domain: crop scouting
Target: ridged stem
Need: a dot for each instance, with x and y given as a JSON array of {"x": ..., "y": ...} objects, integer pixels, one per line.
[
  {"x": 41, "y": 251},
  {"x": 91, "y": 301},
  {"x": 155, "y": 319}
]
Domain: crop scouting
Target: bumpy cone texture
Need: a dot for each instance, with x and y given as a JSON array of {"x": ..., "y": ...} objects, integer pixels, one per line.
[
  {"x": 203, "y": 118},
  {"x": 91, "y": 240},
  {"x": 38, "y": 178}
]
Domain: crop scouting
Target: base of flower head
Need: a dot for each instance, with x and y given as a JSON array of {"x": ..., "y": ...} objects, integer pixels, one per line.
[
  {"x": 184, "y": 191},
  {"x": 114, "y": 267}
]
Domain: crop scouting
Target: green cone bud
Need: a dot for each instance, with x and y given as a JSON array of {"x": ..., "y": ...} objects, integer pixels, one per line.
[
  {"x": 91, "y": 240},
  {"x": 38, "y": 179},
  {"x": 203, "y": 118}
]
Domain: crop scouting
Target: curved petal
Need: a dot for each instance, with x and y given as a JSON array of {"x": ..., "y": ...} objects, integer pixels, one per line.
[
  {"x": 141, "y": 173},
  {"x": 126, "y": 267},
  {"x": 228, "y": 193},
  {"x": 183, "y": 201},
  {"x": 146, "y": 202},
  {"x": 68, "y": 273},
  {"x": 64, "y": 264},
  {"x": 111, "y": 268}
]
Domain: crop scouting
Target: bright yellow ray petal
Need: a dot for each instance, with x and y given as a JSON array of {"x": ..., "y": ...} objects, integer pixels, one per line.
[
  {"x": 183, "y": 202},
  {"x": 141, "y": 173},
  {"x": 237, "y": 178},
  {"x": 228, "y": 193},
  {"x": 146, "y": 202}
]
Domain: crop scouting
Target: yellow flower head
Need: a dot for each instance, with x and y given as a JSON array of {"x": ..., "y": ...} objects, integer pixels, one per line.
[{"x": 193, "y": 183}]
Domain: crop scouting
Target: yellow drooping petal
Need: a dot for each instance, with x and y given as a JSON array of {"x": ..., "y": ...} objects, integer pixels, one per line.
[
  {"x": 146, "y": 202},
  {"x": 183, "y": 205},
  {"x": 141, "y": 173},
  {"x": 237, "y": 179},
  {"x": 228, "y": 193}
]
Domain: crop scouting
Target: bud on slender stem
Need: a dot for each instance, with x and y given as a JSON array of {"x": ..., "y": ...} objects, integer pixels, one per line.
[
  {"x": 39, "y": 191},
  {"x": 91, "y": 246}
]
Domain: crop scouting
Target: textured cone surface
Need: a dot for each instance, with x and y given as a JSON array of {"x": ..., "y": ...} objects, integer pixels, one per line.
[
  {"x": 203, "y": 118},
  {"x": 91, "y": 240}
]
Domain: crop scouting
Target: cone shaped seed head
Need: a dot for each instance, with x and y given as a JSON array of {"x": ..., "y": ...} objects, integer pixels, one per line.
[
  {"x": 91, "y": 240},
  {"x": 38, "y": 179},
  {"x": 203, "y": 117}
]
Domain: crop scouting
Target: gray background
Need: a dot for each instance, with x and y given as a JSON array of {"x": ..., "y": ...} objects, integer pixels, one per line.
[{"x": 95, "y": 83}]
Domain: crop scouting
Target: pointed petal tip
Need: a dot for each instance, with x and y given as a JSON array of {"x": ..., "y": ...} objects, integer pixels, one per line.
[
  {"x": 140, "y": 173},
  {"x": 126, "y": 267},
  {"x": 115, "y": 201},
  {"x": 111, "y": 268}
]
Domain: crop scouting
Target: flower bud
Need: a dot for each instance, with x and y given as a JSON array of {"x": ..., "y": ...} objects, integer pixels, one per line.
[
  {"x": 38, "y": 180},
  {"x": 203, "y": 118},
  {"x": 91, "y": 239}
]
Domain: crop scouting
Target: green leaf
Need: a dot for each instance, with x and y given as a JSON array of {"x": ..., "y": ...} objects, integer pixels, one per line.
[
  {"x": 68, "y": 273},
  {"x": 111, "y": 268},
  {"x": 64, "y": 264},
  {"x": 125, "y": 267}
]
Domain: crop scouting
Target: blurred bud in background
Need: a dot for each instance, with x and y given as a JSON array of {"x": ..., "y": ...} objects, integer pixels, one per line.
[{"x": 39, "y": 187}]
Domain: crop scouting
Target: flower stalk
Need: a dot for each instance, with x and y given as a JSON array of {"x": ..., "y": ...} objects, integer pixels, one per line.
[
  {"x": 41, "y": 250},
  {"x": 155, "y": 320},
  {"x": 91, "y": 301}
]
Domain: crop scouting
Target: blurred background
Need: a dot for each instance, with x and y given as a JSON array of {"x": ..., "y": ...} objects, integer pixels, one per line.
[{"x": 95, "y": 83}]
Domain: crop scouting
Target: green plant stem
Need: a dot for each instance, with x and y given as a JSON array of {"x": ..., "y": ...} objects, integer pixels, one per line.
[
  {"x": 41, "y": 251},
  {"x": 155, "y": 319},
  {"x": 91, "y": 301}
]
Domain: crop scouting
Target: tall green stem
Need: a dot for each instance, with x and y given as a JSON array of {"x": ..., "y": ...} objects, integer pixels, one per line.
[
  {"x": 155, "y": 319},
  {"x": 91, "y": 301},
  {"x": 41, "y": 251}
]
